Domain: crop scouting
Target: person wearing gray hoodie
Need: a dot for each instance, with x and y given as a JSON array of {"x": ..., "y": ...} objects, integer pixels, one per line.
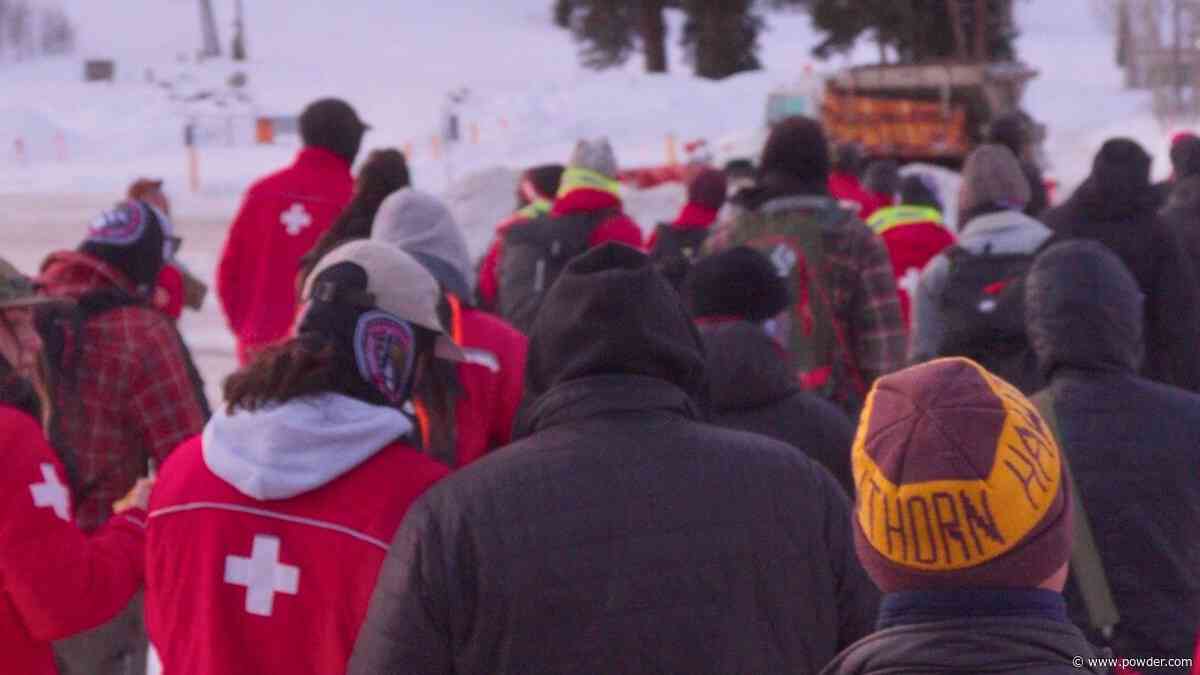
[
  {"x": 491, "y": 384},
  {"x": 992, "y": 198}
]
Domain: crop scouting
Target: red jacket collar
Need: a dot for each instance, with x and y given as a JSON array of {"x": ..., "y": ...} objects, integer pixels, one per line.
[
  {"x": 314, "y": 156},
  {"x": 695, "y": 217},
  {"x": 72, "y": 274},
  {"x": 582, "y": 200}
]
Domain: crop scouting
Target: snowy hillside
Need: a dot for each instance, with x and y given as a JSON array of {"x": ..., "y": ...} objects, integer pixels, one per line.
[{"x": 397, "y": 60}]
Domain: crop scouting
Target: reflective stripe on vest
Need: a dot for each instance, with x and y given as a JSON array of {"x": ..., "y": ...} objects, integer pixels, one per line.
[
  {"x": 535, "y": 209},
  {"x": 575, "y": 178},
  {"x": 896, "y": 216}
]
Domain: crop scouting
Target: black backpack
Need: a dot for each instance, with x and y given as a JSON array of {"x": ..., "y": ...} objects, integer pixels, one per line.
[
  {"x": 535, "y": 253},
  {"x": 675, "y": 251},
  {"x": 983, "y": 314}
]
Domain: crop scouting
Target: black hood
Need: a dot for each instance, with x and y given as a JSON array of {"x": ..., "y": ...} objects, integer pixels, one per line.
[
  {"x": 612, "y": 313},
  {"x": 1083, "y": 309},
  {"x": 746, "y": 368},
  {"x": 1118, "y": 187}
]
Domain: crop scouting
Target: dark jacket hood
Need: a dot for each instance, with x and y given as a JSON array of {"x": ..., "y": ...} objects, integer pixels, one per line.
[
  {"x": 1083, "y": 309},
  {"x": 969, "y": 645},
  {"x": 746, "y": 368},
  {"x": 1118, "y": 187},
  {"x": 612, "y": 313}
]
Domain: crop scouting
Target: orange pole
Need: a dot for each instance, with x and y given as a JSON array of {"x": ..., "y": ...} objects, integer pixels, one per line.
[
  {"x": 672, "y": 155},
  {"x": 193, "y": 168}
]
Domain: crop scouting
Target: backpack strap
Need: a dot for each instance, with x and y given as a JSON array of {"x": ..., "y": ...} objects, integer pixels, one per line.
[{"x": 1086, "y": 565}]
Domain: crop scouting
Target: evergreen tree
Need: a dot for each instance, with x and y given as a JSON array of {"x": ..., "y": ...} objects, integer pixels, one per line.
[
  {"x": 605, "y": 30},
  {"x": 609, "y": 31},
  {"x": 563, "y": 9},
  {"x": 721, "y": 36},
  {"x": 919, "y": 31}
]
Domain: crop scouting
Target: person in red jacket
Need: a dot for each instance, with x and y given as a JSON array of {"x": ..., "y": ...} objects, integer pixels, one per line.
[
  {"x": 535, "y": 197},
  {"x": 913, "y": 233},
  {"x": 280, "y": 219},
  {"x": 845, "y": 183},
  {"x": 54, "y": 580},
  {"x": 586, "y": 213},
  {"x": 491, "y": 383},
  {"x": 266, "y": 533}
]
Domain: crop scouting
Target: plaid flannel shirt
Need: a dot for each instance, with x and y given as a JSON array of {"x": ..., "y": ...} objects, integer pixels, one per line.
[
  {"x": 133, "y": 400},
  {"x": 861, "y": 284}
]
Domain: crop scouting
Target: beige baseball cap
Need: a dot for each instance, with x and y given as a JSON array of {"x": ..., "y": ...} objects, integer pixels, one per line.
[{"x": 396, "y": 284}]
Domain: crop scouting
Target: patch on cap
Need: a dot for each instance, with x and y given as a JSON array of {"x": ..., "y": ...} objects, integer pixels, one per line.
[
  {"x": 384, "y": 347},
  {"x": 122, "y": 225},
  {"x": 975, "y": 494}
]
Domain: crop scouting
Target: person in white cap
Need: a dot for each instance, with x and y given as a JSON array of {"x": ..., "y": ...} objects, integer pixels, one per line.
[{"x": 267, "y": 532}]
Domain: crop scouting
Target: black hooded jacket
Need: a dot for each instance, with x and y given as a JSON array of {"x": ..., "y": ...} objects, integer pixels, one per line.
[
  {"x": 751, "y": 389},
  {"x": 623, "y": 534},
  {"x": 1133, "y": 446},
  {"x": 1183, "y": 214},
  {"x": 1116, "y": 206}
]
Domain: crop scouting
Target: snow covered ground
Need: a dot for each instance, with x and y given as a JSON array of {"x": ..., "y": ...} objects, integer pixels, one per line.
[{"x": 396, "y": 60}]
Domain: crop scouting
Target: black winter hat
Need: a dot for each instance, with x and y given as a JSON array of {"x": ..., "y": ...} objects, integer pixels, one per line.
[
  {"x": 739, "y": 283},
  {"x": 331, "y": 123},
  {"x": 130, "y": 237},
  {"x": 708, "y": 189},
  {"x": 612, "y": 312},
  {"x": 918, "y": 190},
  {"x": 1121, "y": 165},
  {"x": 797, "y": 147},
  {"x": 544, "y": 179}
]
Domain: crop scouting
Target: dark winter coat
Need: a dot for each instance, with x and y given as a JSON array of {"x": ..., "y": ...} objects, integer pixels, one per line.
[
  {"x": 997, "y": 646},
  {"x": 623, "y": 535},
  {"x": 1125, "y": 220},
  {"x": 751, "y": 389},
  {"x": 1039, "y": 198},
  {"x": 1133, "y": 445},
  {"x": 1183, "y": 214}
]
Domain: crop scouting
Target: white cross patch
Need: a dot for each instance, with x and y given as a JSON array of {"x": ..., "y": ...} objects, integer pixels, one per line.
[
  {"x": 51, "y": 492},
  {"x": 262, "y": 575},
  {"x": 296, "y": 218}
]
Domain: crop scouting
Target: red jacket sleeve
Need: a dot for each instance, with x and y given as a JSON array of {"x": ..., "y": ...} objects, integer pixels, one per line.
[
  {"x": 512, "y": 389},
  {"x": 489, "y": 275},
  {"x": 234, "y": 256},
  {"x": 168, "y": 292},
  {"x": 620, "y": 229},
  {"x": 59, "y": 581}
]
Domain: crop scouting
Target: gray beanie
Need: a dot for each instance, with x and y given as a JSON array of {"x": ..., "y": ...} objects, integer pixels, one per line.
[
  {"x": 595, "y": 155},
  {"x": 420, "y": 224},
  {"x": 992, "y": 175}
]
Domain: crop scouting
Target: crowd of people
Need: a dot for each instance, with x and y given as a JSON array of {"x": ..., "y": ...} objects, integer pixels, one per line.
[{"x": 807, "y": 426}]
